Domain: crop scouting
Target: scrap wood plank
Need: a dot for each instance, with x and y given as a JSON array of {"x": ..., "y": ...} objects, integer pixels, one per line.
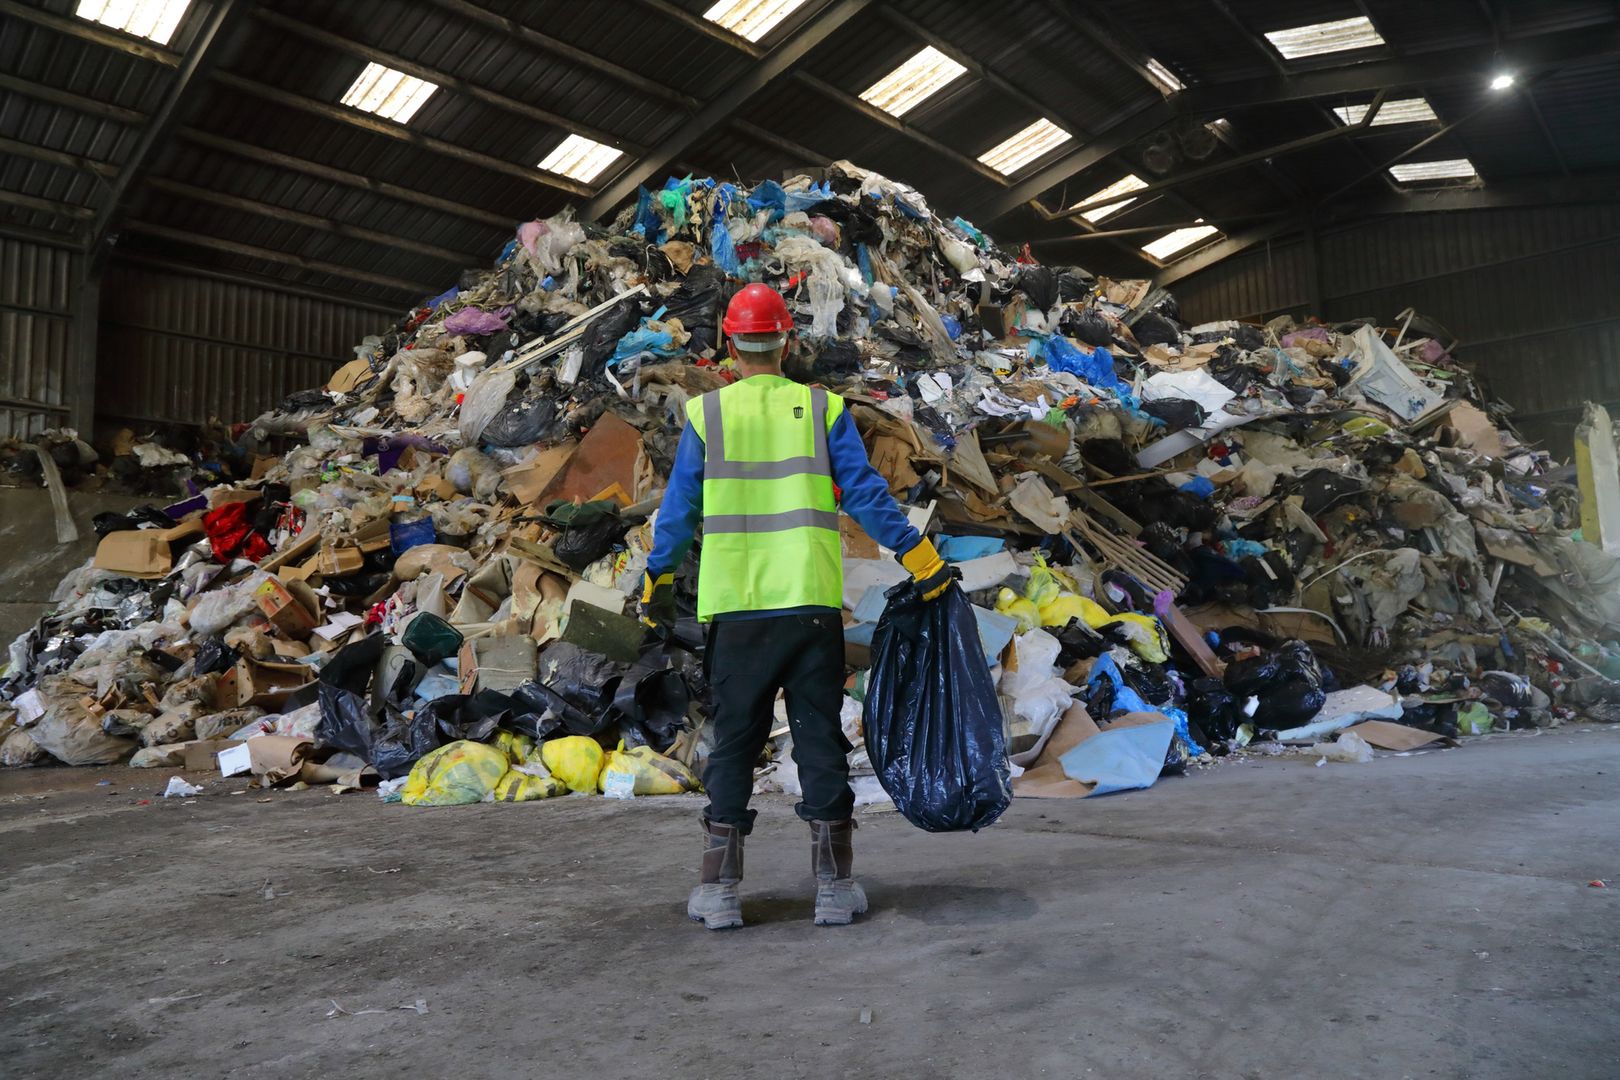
[
  {"x": 1188, "y": 636},
  {"x": 1137, "y": 561}
]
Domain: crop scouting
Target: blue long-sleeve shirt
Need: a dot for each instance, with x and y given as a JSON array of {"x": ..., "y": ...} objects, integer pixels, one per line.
[{"x": 866, "y": 498}]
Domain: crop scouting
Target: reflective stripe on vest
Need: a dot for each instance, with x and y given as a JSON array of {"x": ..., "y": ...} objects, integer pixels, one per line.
[{"x": 716, "y": 466}]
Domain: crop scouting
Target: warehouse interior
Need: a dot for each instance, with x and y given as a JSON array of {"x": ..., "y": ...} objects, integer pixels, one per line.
[
  {"x": 210, "y": 211},
  {"x": 1137, "y": 478}
]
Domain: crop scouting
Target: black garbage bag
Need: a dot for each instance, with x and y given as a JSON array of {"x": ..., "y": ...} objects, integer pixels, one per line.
[
  {"x": 590, "y": 530},
  {"x": 1091, "y": 328},
  {"x": 529, "y": 416},
  {"x": 214, "y": 655},
  {"x": 1289, "y": 704},
  {"x": 933, "y": 724},
  {"x": 652, "y": 698},
  {"x": 1213, "y": 708},
  {"x": 1074, "y": 285},
  {"x": 1248, "y": 336},
  {"x": 697, "y": 304},
  {"x": 1507, "y": 689},
  {"x": 1254, "y": 675},
  {"x": 585, "y": 682},
  {"x": 602, "y": 336},
  {"x": 1177, "y": 413},
  {"x": 1077, "y": 641},
  {"x": 110, "y": 522},
  {"x": 1040, "y": 285},
  {"x": 1295, "y": 660},
  {"x": 1155, "y": 329}
]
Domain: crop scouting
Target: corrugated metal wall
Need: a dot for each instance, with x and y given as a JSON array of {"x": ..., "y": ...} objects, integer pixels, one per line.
[
  {"x": 181, "y": 348},
  {"x": 36, "y": 322},
  {"x": 1533, "y": 295}
]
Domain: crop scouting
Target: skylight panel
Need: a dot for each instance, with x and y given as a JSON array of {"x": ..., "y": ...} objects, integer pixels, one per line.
[
  {"x": 751, "y": 19},
  {"x": 154, "y": 20},
  {"x": 909, "y": 84},
  {"x": 1163, "y": 76},
  {"x": 579, "y": 158},
  {"x": 1325, "y": 37},
  {"x": 1405, "y": 111},
  {"x": 1448, "y": 169},
  {"x": 392, "y": 95},
  {"x": 1173, "y": 243},
  {"x": 1131, "y": 182},
  {"x": 1013, "y": 154}
]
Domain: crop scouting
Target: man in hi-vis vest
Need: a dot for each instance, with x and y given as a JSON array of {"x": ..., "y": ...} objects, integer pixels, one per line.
[{"x": 757, "y": 465}]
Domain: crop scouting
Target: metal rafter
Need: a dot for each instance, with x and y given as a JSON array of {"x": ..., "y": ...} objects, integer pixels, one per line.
[
  {"x": 57, "y": 157},
  {"x": 777, "y": 63},
  {"x": 703, "y": 27},
  {"x": 85, "y": 30},
  {"x": 200, "y": 59},
  {"x": 231, "y": 247},
  {"x": 444, "y": 79},
  {"x": 66, "y": 99},
  {"x": 311, "y": 221},
  {"x": 54, "y": 207},
  {"x": 529, "y": 35}
]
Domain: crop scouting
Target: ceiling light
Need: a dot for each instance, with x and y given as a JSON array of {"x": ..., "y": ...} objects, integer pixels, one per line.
[
  {"x": 1502, "y": 81},
  {"x": 1325, "y": 37},
  {"x": 1449, "y": 169},
  {"x": 1131, "y": 182},
  {"x": 392, "y": 95},
  {"x": 579, "y": 158},
  {"x": 1405, "y": 111},
  {"x": 1009, "y": 156},
  {"x": 154, "y": 20},
  {"x": 1172, "y": 243},
  {"x": 1162, "y": 76},
  {"x": 752, "y": 19},
  {"x": 907, "y": 85}
]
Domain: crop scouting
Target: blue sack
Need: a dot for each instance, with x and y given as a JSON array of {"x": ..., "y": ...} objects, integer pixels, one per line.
[{"x": 932, "y": 721}]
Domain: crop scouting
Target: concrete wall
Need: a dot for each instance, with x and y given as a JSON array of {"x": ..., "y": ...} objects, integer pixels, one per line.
[{"x": 32, "y": 563}]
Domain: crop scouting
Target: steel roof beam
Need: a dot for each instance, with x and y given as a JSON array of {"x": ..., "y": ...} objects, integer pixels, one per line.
[
  {"x": 77, "y": 102},
  {"x": 286, "y": 258},
  {"x": 365, "y": 121},
  {"x": 193, "y": 71},
  {"x": 57, "y": 157},
  {"x": 442, "y": 78},
  {"x": 254, "y": 281},
  {"x": 340, "y": 229},
  {"x": 776, "y": 64},
  {"x": 529, "y": 35},
  {"x": 66, "y": 211},
  {"x": 701, "y": 26},
  {"x": 317, "y": 170}
]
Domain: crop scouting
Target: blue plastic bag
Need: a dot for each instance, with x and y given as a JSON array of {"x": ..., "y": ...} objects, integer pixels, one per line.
[
  {"x": 1120, "y": 759},
  {"x": 932, "y": 721}
]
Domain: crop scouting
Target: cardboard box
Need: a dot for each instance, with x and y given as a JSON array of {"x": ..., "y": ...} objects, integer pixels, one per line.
[
  {"x": 286, "y": 612},
  {"x": 337, "y": 561},
  {"x": 143, "y": 553},
  {"x": 260, "y": 683},
  {"x": 201, "y": 753}
]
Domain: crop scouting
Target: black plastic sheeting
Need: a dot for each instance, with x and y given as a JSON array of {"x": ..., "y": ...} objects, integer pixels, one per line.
[{"x": 933, "y": 724}]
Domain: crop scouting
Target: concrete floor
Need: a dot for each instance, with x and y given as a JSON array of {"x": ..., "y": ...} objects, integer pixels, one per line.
[{"x": 1426, "y": 916}]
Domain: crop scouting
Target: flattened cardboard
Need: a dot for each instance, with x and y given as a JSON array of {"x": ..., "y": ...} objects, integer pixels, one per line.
[
  {"x": 525, "y": 482},
  {"x": 200, "y": 754},
  {"x": 608, "y": 454},
  {"x": 856, "y": 544},
  {"x": 143, "y": 553},
  {"x": 349, "y": 376},
  {"x": 1044, "y": 777},
  {"x": 1387, "y": 735}
]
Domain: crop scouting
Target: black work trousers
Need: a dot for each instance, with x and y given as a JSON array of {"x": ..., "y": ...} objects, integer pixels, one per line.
[{"x": 749, "y": 660}]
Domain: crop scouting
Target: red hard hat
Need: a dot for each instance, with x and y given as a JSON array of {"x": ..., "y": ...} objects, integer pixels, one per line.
[{"x": 757, "y": 309}]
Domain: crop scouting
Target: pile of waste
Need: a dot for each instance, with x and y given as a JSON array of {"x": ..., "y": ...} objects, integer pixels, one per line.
[{"x": 1180, "y": 542}]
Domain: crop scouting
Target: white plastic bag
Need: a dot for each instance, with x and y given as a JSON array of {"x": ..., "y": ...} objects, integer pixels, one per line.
[{"x": 485, "y": 397}]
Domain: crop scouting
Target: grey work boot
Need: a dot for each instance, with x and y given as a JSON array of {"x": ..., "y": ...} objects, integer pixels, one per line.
[
  {"x": 838, "y": 898},
  {"x": 715, "y": 902}
]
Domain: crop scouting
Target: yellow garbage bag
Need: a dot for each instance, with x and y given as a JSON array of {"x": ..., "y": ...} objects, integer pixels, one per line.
[
  {"x": 1013, "y": 606},
  {"x": 462, "y": 772},
  {"x": 1071, "y": 606},
  {"x": 519, "y": 748},
  {"x": 1145, "y": 636},
  {"x": 575, "y": 760},
  {"x": 652, "y": 772},
  {"x": 1365, "y": 427},
  {"x": 524, "y": 783}
]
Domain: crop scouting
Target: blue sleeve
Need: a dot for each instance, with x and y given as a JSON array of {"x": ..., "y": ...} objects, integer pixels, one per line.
[
  {"x": 866, "y": 493},
  {"x": 682, "y": 507}
]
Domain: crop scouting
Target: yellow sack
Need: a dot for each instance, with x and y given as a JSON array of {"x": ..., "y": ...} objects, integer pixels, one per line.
[
  {"x": 1014, "y": 606},
  {"x": 1145, "y": 636},
  {"x": 462, "y": 772},
  {"x": 523, "y": 784},
  {"x": 520, "y": 748},
  {"x": 1070, "y": 606},
  {"x": 575, "y": 760},
  {"x": 651, "y": 772}
]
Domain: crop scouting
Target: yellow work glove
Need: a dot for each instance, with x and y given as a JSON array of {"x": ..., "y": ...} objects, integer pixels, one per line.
[
  {"x": 927, "y": 569},
  {"x": 657, "y": 604}
]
